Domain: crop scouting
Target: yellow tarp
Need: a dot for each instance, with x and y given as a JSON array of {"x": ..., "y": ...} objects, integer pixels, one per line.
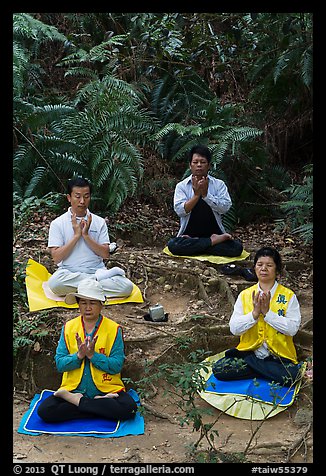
[
  {"x": 242, "y": 406},
  {"x": 211, "y": 258},
  {"x": 37, "y": 274}
]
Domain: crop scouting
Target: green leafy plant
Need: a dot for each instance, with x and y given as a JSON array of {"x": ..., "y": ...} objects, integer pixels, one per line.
[
  {"x": 298, "y": 208},
  {"x": 24, "y": 208},
  {"x": 100, "y": 136},
  {"x": 27, "y": 330},
  {"x": 19, "y": 288},
  {"x": 29, "y": 34},
  {"x": 167, "y": 80},
  {"x": 182, "y": 382},
  {"x": 282, "y": 73},
  {"x": 109, "y": 134}
]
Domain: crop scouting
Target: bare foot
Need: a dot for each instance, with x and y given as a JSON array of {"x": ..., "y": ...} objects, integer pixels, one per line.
[
  {"x": 215, "y": 239},
  {"x": 108, "y": 395},
  {"x": 70, "y": 397}
]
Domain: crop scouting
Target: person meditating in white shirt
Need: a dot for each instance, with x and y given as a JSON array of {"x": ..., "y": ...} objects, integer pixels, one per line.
[
  {"x": 200, "y": 200},
  {"x": 266, "y": 316},
  {"x": 79, "y": 242}
]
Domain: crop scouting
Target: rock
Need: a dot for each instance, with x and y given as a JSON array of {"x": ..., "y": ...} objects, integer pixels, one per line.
[
  {"x": 213, "y": 282},
  {"x": 213, "y": 272},
  {"x": 304, "y": 416}
]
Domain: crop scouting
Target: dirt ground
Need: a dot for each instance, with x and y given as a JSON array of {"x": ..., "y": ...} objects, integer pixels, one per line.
[{"x": 198, "y": 299}]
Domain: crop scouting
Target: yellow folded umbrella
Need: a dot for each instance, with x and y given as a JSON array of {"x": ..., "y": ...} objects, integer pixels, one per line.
[
  {"x": 240, "y": 405},
  {"x": 37, "y": 274}
]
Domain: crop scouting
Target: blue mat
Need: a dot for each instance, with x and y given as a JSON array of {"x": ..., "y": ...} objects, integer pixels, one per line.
[
  {"x": 258, "y": 388},
  {"x": 32, "y": 424}
]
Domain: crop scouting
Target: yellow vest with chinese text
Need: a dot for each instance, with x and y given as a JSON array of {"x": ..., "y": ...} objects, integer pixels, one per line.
[
  {"x": 278, "y": 344},
  {"x": 106, "y": 332}
]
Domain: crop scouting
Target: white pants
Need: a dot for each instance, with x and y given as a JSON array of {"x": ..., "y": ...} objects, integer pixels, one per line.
[{"x": 117, "y": 285}]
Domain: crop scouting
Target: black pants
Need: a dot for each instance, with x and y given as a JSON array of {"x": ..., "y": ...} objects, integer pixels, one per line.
[
  {"x": 244, "y": 364},
  {"x": 56, "y": 409},
  {"x": 183, "y": 246}
]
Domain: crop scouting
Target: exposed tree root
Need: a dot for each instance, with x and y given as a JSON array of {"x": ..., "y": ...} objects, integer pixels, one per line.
[
  {"x": 296, "y": 445},
  {"x": 159, "y": 414}
]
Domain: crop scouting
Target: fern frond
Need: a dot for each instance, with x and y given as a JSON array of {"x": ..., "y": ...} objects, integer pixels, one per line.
[
  {"x": 81, "y": 71},
  {"x": 98, "y": 53},
  {"x": 175, "y": 98},
  {"x": 218, "y": 153},
  {"x": 260, "y": 68},
  {"x": 20, "y": 65},
  {"x": 307, "y": 67},
  {"x": 67, "y": 164},
  {"x": 102, "y": 52},
  {"x": 75, "y": 59},
  {"x": 168, "y": 128},
  {"x": 299, "y": 206},
  {"x": 230, "y": 219},
  {"x": 27, "y": 27},
  {"x": 108, "y": 92},
  {"x": 192, "y": 130},
  {"x": 37, "y": 176},
  {"x": 305, "y": 231},
  {"x": 45, "y": 115},
  {"x": 239, "y": 134},
  {"x": 282, "y": 63}
]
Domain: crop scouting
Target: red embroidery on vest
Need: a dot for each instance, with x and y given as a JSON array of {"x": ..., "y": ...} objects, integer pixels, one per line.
[{"x": 106, "y": 378}]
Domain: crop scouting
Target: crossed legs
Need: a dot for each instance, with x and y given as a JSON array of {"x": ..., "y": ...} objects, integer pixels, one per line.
[
  {"x": 64, "y": 405},
  {"x": 217, "y": 245},
  {"x": 244, "y": 364},
  {"x": 115, "y": 285}
]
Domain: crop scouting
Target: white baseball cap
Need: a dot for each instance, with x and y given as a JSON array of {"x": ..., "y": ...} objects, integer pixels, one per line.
[{"x": 87, "y": 289}]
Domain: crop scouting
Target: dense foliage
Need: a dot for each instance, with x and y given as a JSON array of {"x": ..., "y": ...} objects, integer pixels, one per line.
[{"x": 107, "y": 95}]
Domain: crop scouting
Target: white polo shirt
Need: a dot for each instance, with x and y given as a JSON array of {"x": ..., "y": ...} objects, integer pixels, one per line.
[{"x": 82, "y": 258}]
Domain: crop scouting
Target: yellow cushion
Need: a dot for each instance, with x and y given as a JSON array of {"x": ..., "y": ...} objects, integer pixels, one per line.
[
  {"x": 211, "y": 258},
  {"x": 37, "y": 274}
]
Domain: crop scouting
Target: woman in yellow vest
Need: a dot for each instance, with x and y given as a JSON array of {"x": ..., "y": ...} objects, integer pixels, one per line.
[
  {"x": 90, "y": 354},
  {"x": 266, "y": 316}
]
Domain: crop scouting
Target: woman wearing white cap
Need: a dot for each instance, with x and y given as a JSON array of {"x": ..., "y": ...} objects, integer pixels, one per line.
[{"x": 90, "y": 353}]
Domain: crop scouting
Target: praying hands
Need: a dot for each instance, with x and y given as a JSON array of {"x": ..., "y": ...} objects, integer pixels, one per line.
[
  {"x": 261, "y": 302},
  {"x": 86, "y": 348}
]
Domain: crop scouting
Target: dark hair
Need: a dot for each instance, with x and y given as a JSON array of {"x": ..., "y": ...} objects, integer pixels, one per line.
[
  {"x": 78, "y": 182},
  {"x": 201, "y": 150},
  {"x": 273, "y": 253}
]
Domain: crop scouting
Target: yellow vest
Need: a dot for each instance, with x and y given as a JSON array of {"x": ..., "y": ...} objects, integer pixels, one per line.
[
  {"x": 106, "y": 331},
  {"x": 278, "y": 344}
]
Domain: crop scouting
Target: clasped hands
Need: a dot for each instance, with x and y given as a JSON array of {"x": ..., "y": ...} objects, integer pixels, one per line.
[
  {"x": 200, "y": 185},
  {"x": 261, "y": 302},
  {"x": 86, "y": 348},
  {"x": 82, "y": 227}
]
